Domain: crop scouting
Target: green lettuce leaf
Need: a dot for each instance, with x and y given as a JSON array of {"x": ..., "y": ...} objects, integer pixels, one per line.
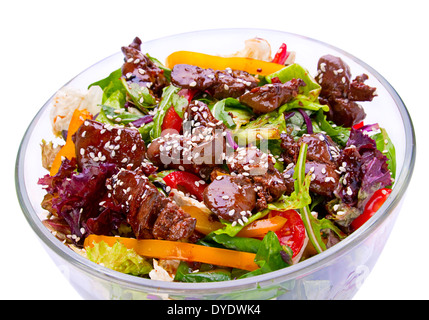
[
  {"x": 139, "y": 95},
  {"x": 269, "y": 256},
  {"x": 169, "y": 98},
  {"x": 110, "y": 84},
  {"x": 385, "y": 145},
  {"x": 118, "y": 258},
  {"x": 184, "y": 274},
  {"x": 338, "y": 134},
  {"x": 267, "y": 126},
  {"x": 231, "y": 112}
]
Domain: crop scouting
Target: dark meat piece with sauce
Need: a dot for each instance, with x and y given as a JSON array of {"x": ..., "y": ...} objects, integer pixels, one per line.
[
  {"x": 96, "y": 142},
  {"x": 199, "y": 150},
  {"x": 230, "y": 198},
  {"x": 324, "y": 178},
  {"x": 321, "y": 160},
  {"x": 138, "y": 68},
  {"x": 219, "y": 83},
  {"x": 269, "y": 97},
  {"x": 321, "y": 148},
  {"x": 340, "y": 92},
  {"x": 149, "y": 213},
  {"x": 252, "y": 163}
]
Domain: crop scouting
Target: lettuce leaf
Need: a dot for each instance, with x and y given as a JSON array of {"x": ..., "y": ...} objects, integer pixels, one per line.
[
  {"x": 118, "y": 258},
  {"x": 140, "y": 96},
  {"x": 267, "y": 126},
  {"x": 231, "y": 112},
  {"x": 169, "y": 98},
  {"x": 110, "y": 84},
  {"x": 338, "y": 134},
  {"x": 269, "y": 256}
]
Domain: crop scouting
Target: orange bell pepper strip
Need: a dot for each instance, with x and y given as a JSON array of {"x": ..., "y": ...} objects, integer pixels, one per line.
[
  {"x": 68, "y": 150},
  {"x": 164, "y": 249},
  {"x": 202, "y": 60},
  {"x": 259, "y": 228},
  {"x": 203, "y": 224}
]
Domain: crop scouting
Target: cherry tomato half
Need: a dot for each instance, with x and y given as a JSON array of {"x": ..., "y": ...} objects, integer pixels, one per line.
[
  {"x": 371, "y": 207},
  {"x": 292, "y": 233}
]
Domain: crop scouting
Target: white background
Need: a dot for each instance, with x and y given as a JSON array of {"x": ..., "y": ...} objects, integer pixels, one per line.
[{"x": 46, "y": 43}]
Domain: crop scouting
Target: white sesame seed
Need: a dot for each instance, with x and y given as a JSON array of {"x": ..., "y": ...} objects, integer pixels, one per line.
[
  {"x": 225, "y": 197},
  {"x": 193, "y": 84}
]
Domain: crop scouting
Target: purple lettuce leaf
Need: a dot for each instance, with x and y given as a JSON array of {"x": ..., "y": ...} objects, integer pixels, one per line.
[{"x": 76, "y": 196}]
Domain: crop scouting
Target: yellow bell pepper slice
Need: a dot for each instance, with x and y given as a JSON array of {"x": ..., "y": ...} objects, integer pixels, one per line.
[
  {"x": 204, "y": 224},
  {"x": 164, "y": 249},
  {"x": 202, "y": 60},
  {"x": 68, "y": 150},
  {"x": 259, "y": 228}
]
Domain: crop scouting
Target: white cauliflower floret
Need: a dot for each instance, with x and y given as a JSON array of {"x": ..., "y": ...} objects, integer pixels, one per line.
[
  {"x": 67, "y": 100},
  {"x": 256, "y": 48}
]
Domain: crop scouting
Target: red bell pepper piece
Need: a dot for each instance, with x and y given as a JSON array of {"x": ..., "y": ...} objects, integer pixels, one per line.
[
  {"x": 358, "y": 125},
  {"x": 187, "y": 183},
  {"x": 281, "y": 55},
  {"x": 172, "y": 121},
  {"x": 371, "y": 207}
]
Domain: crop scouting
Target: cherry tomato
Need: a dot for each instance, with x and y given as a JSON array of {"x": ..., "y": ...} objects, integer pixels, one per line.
[
  {"x": 292, "y": 233},
  {"x": 186, "y": 182},
  {"x": 371, "y": 207}
]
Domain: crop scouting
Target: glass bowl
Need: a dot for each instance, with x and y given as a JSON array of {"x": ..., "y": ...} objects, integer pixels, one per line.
[{"x": 336, "y": 273}]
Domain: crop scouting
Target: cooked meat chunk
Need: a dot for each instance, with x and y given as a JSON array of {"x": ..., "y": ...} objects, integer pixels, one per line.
[
  {"x": 343, "y": 111},
  {"x": 269, "y": 97},
  {"x": 138, "y": 68},
  {"x": 334, "y": 76},
  {"x": 149, "y": 213},
  {"x": 321, "y": 160},
  {"x": 230, "y": 198},
  {"x": 219, "y": 83},
  {"x": 359, "y": 91},
  {"x": 340, "y": 92},
  {"x": 324, "y": 178},
  {"x": 321, "y": 148},
  {"x": 96, "y": 142},
  {"x": 199, "y": 150},
  {"x": 259, "y": 168}
]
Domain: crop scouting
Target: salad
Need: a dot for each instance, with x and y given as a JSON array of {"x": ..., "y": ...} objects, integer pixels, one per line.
[{"x": 213, "y": 168}]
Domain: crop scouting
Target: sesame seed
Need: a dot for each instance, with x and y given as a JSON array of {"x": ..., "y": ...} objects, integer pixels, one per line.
[
  {"x": 225, "y": 197},
  {"x": 231, "y": 212},
  {"x": 193, "y": 84}
]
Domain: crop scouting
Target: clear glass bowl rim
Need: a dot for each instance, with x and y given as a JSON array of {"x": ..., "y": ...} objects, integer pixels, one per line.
[{"x": 293, "y": 272}]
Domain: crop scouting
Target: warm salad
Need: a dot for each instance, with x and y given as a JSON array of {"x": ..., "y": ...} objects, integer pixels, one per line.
[{"x": 213, "y": 168}]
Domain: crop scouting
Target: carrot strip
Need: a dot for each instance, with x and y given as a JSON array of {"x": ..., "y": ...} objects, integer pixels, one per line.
[{"x": 164, "y": 249}]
